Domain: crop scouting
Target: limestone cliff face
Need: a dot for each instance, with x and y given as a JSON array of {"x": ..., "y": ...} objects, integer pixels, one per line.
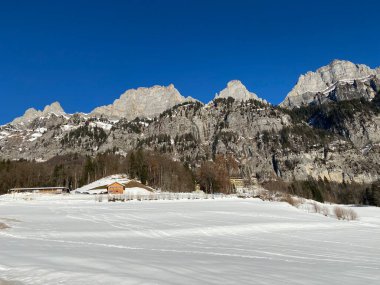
[
  {"x": 143, "y": 102},
  {"x": 328, "y": 81},
  {"x": 337, "y": 140},
  {"x": 265, "y": 140}
]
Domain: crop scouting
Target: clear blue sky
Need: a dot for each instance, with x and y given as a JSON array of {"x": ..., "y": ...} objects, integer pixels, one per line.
[{"x": 86, "y": 53}]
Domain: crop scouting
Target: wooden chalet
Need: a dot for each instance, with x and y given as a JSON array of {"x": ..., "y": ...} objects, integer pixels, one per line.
[{"x": 116, "y": 188}]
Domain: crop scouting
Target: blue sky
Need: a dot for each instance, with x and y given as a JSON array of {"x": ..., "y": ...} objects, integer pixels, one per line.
[{"x": 86, "y": 53}]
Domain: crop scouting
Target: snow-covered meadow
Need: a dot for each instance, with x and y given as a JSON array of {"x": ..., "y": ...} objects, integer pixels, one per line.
[{"x": 222, "y": 241}]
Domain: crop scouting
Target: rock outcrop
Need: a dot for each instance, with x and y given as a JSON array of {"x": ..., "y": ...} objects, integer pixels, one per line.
[
  {"x": 238, "y": 91},
  {"x": 31, "y": 114},
  {"x": 142, "y": 102},
  {"x": 330, "y": 82}
]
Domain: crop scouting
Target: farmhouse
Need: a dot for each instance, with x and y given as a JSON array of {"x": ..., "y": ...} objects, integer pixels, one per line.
[{"x": 45, "y": 190}]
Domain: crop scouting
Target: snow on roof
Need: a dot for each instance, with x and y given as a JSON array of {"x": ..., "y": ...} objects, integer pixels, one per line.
[
  {"x": 120, "y": 178},
  {"x": 100, "y": 185},
  {"x": 117, "y": 182},
  {"x": 136, "y": 191}
]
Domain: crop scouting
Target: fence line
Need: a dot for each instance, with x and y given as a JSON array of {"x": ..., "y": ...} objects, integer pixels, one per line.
[
  {"x": 120, "y": 197},
  {"x": 159, "y": 196}
]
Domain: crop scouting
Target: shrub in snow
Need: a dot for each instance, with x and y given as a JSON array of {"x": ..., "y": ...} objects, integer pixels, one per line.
[
  {"x": 295, "y": 202},
  {"x": 3, "y": 226},
  {"x": 352, "y": 215},
  {"x": 338, "y": 211},
  {"x": 345, "y": 214}
]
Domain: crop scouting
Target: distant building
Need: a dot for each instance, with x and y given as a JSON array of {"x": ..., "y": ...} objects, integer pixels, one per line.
[
  {"x": 116, "y": 188},
  {"x": 237, "y": 182},
  {"x": 45, "y": 190},
  {"x": 198, "y": 189}
]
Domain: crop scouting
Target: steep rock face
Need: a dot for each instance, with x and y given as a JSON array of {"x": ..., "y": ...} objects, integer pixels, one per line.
[
  {"x": 238, "y": 91},
  {"x": 193, "y": 133},
  {"x": 337, "y": 162},
  {"x": 366, "y": 89},
  {"x": 264, "y": 140},
  {"x": 143, "y": 102},
  {"x": 362, "y": 129},
  {"x": 338, "y": 141},
  {"x": 31, "y": 114},
  {"x": 357, "y": 119},
  {"x": 330, "y": 83}
]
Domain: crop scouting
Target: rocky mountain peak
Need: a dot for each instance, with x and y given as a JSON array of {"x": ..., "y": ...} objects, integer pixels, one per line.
[
  {"x": 238, "y": 91},
  {"x": 54, "y": 108},
  {"x": 32, "y": 113},
  {"x": 143, "y": 101},
  {"x": 325, "y": 79}
]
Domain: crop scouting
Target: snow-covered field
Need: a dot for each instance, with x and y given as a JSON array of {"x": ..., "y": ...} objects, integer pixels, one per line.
[{"x": 226, "y": 241}]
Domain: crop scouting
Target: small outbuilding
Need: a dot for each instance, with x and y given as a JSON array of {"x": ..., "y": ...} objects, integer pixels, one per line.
[
  {"x": 116, "y": 188},
  {"x": 237, "y": 182},
  {"x": 45, "y": 190}
]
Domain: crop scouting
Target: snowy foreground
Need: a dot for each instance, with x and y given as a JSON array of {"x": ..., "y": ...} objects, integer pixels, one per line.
[{"x": 227, "y": 241}]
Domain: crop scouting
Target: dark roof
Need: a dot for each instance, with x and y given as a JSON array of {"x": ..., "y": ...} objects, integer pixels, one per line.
[{"x": 38, "y": 188}]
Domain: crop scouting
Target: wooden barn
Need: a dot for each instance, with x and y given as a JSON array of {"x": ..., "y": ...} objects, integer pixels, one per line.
[
  {"x": 116, "y": 188},
  {"x": 119, "y": 187}
]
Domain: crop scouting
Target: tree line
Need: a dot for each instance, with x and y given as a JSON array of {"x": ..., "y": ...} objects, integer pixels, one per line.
[
  {"x": 322, "y": 190},
  {"x": 157, "y": 170},
  {"x": 160, "y": 171}
]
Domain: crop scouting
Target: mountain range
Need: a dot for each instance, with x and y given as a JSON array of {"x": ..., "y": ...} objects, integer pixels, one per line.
[{"x": 327, "y": 127}]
